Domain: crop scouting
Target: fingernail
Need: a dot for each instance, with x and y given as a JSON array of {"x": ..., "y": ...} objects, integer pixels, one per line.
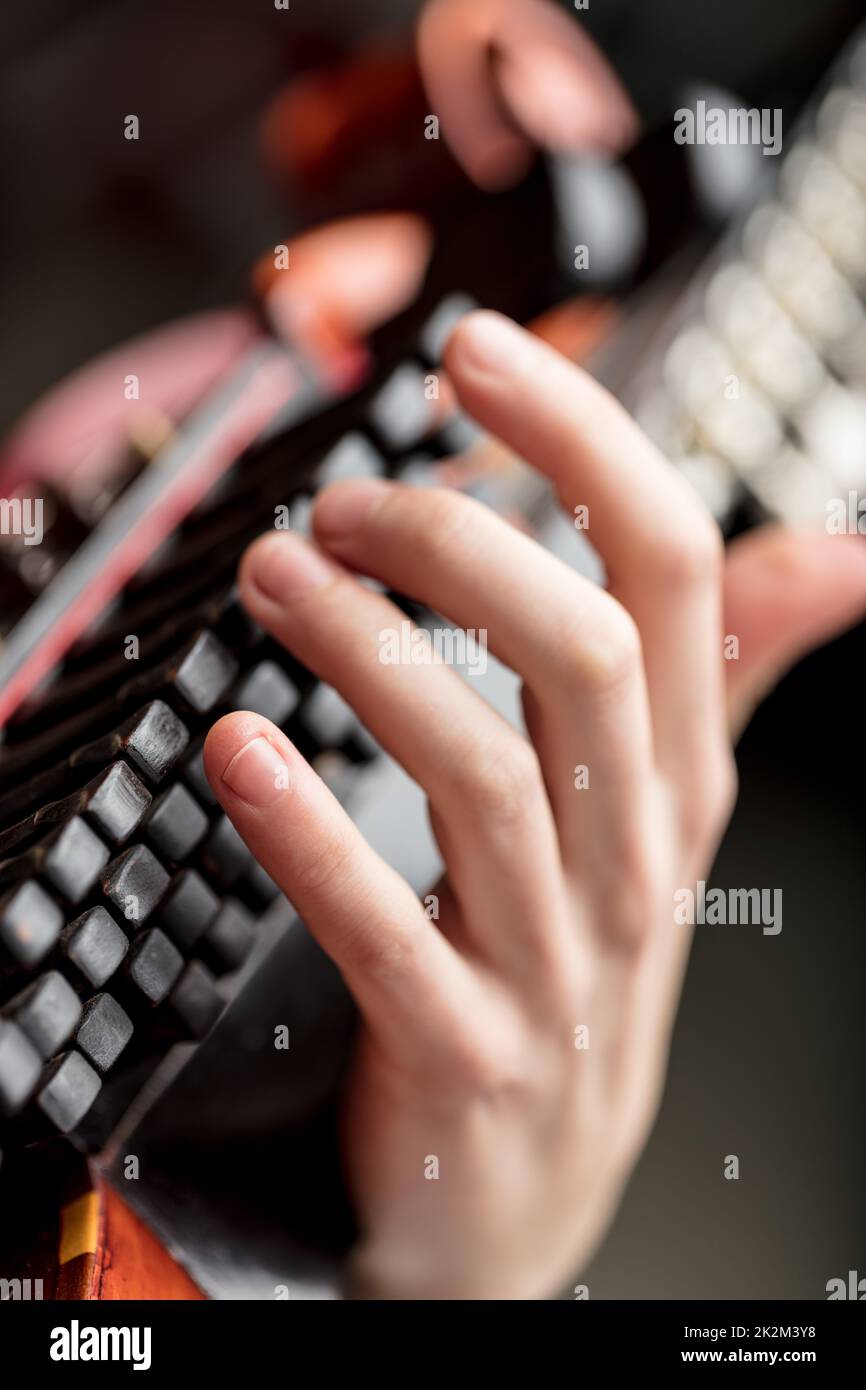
[
  {"x": 285, "y": 567},
  {"x": 341, "y": 509},
  {"x": 257, "y": 773},
  {"x": 488, "y": 342}
]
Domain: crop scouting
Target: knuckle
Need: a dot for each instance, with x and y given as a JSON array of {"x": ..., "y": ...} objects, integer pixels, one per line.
[
  {"x": 614, "y": 660},
  {"x": 382, "y": 952},
  {"x": 431, "y": 521},
  {"x": 504, "y": 783},
  {"x": 484, "y": 1071},
  {"x": 693, "y": 557},
  {"x": 711, "y": 793}
]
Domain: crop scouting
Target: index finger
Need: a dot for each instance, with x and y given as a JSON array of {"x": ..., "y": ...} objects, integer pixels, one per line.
[{"x": 662, "y": 551}]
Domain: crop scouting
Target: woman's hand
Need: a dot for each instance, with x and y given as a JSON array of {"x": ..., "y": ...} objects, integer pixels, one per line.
[
  {"x": 511, "y": 1054},
  {"x": 505, "y": 75}
]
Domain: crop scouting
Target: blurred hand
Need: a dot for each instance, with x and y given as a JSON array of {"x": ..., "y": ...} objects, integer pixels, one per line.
[
  {"x": 557, "y": 912},
  {"x": 504, "y": 75}
]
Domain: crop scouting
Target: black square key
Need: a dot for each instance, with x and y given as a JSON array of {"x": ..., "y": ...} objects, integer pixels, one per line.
[
  {"x": 30, "y": 923},
  {"x": 68, "y": 1091},
  {"x": 195, "y": 776},
  {"x": 229, "y": 938},
  {"x": 328, "y": 717},
  {"x": 205, "y": 672},
  {"x": 152, "y": 739},
  {"x": 74, "y": 859},
  {"x": 225, "y": 856},
  {"x": 104, "y": 1031},
  {"x": 117, "y": 803},
  {"x": 201, "y": 673},
  {"x": 95, "y": 944},
  {"x": 268, "y": 691},
  {"x": 135, "y": 881},
  {"x": 20, "y": 1068},
  {"x": 188, "y": 908},
  {"x": 261, "y": 883},
  {"x": 155, "y": 739},
  {"x": 196, "y": 1001},
  {"x": 47, "y": 1011},
  {"x": 176, "y": 823},
  {"x": 154, "y": 965}
]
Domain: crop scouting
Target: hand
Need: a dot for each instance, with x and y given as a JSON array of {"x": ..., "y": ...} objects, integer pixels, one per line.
[
  {"x": 557, "y": 912},
  {"x": 503, "y": 75}
]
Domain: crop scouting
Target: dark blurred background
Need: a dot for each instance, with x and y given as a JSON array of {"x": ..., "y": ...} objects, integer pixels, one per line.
[{"x": 102, "y": 238}]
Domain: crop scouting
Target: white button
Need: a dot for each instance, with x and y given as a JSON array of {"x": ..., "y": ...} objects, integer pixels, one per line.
[
  {"x": 354, "y": 457},
  {"x": 442, "y": 322},
  {"x": 401, "y": 411}
]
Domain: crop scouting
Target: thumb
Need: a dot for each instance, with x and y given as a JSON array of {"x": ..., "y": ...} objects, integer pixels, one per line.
[{"x": 786, "y": 592}]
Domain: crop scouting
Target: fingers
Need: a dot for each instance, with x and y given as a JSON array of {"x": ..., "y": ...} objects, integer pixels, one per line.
[
  {"x": 785, "y": 593},
  {"x": 344, "y": 280},
  {"x": 478, "y": 773},
  {"x": 404, "y": 975},
  {"x": 574, "y": 647},
  {"x": 662, "y": 551},
  {"x": 498, "y": 71}
]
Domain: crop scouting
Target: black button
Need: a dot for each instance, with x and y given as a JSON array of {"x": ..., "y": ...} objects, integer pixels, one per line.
[
  {"x": 95, "y": 944},
  {"x": 176, "y": 823},
  {"x": 30, "y": 923},
  {"x": 47, "y": 1011},
  {"x": 229, "y": 938},
  {"x": 70, "y": 1088},
  {"x": 105, "y": 1030},
  {"x": 135, "y": 881},
  {"x": 20, "y": 1067},
  {"x": 187, "y": 909},
  {"x": 153, "y": 965},
  {"x": 196, "y": 1001}
]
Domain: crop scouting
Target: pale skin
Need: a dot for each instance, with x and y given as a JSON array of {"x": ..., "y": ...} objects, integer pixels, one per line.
[
  {"x": 557, "y": 907},
  {"x": 557, "y": 904}
]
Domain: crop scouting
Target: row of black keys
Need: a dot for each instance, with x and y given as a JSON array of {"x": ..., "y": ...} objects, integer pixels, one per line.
[
  {"x": 104, "y": 802},
  {"x": 397, "y": 418},
  {"x": 151, "y": 932}
]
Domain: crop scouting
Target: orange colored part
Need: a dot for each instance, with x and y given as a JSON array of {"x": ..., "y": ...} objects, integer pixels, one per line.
[{"x": 112, "y": 1255}]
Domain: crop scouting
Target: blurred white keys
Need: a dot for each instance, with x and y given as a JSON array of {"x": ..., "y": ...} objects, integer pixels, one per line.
[
  {"x": 842, "y": 127},
  {"x": 714, "y": 481},
  {"x": 300, "y": 515},
  {"x": 418, "y": 471},
  {"x": 698, "y": 367},
  {"x": 442, "y": 322},
  {"x": 833, "y": 427},
  {"x": 401, "y": 411},
  {"x": 801, "y": 275},
  {"x": 829, "y": 205},
  {"x": 793, "y": 488},
  {"x": 665, "y": 422},
  {"x": 744, "y": 429},
  {"x": 354, "y": 457},
  {"x": 778, "y": 358}
]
